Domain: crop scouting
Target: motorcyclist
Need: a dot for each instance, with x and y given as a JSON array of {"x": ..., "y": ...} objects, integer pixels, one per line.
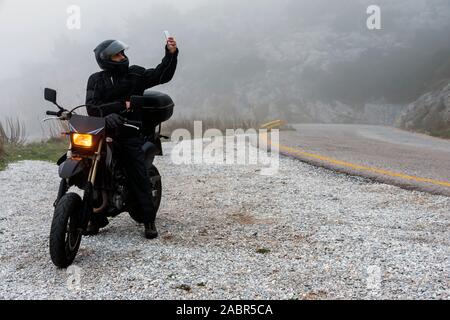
[{"x": 108, "y": 95}]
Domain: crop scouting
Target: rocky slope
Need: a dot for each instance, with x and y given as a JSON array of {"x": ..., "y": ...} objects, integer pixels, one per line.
[{"x": 430, "y": 113}]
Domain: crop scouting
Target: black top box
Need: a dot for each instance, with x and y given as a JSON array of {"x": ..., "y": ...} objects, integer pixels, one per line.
[{"x": 153, "y": 108}]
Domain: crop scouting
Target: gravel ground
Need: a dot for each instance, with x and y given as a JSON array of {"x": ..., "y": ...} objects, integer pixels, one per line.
[{"x": 228, "y": 232}]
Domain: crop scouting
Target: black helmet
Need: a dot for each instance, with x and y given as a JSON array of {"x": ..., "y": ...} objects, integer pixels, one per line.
[{"x": 106, "y": 50}]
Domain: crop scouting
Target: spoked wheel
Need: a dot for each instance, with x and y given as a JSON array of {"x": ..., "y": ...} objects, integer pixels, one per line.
[
  {"x": 65, "y": 232},
  {"x": 155, "y": 181}
]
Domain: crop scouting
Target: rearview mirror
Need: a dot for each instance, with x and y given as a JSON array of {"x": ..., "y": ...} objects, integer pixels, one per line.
[{"x": 50, "y": 95}]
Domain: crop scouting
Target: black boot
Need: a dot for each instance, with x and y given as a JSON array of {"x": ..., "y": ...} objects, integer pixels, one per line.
[
  {"x": 96, "y": 222},
  {"x": 92, "y": 229},
  {"x": 150, "y": 230}
]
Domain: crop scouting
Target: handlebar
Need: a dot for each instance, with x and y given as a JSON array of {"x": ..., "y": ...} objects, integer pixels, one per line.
[
  {"x": 65, "y": 115},
  {"x": 52, "y": 113}
]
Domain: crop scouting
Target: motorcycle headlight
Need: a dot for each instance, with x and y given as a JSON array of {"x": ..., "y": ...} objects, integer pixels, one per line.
[{"x": 82, "y": 140}]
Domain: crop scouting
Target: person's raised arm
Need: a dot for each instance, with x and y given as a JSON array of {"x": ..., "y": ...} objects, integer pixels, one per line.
[{"x": 164, "y": 72}]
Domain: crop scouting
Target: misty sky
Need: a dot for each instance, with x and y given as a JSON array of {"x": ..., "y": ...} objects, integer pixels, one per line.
[
  {"x": 277, "y": 58},
  {"x": 29, "y": 28}
]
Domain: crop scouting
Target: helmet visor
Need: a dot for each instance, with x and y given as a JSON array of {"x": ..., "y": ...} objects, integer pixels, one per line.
[{"x": 114, "y": 48}]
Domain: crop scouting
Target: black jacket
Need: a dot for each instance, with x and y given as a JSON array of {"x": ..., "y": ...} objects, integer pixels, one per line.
[{"x": 107, "y": 92}]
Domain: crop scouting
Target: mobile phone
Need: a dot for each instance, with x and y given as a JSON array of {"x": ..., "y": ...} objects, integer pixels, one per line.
[{"x": 167, "y": 34}]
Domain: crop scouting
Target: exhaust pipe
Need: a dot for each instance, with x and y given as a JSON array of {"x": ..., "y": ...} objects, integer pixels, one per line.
[{"x": 104, "y": 203}]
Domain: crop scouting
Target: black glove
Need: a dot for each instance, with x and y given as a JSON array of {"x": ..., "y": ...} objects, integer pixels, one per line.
[{"x": 114, "y": 120}]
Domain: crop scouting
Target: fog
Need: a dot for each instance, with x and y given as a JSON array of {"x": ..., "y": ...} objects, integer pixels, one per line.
[{"x": 305, "y": 61}]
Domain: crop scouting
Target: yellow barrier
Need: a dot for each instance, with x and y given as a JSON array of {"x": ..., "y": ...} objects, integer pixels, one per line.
[{"x": 273, "y": 124}]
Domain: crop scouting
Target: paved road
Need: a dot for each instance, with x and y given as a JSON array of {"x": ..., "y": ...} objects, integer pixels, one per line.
[{"x": 386, "y": 154}]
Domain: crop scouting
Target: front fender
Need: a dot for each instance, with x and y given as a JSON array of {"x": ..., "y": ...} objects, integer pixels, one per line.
[
  {"x": 62, "y": 159},
  {"x": 70, "y": 168}
]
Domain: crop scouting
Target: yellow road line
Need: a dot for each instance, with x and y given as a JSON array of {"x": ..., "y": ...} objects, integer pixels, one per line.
[{"x": 356, "y": 166}]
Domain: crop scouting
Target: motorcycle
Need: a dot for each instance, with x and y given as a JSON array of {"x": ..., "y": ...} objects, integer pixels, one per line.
[{"x": 92, "y": 150}]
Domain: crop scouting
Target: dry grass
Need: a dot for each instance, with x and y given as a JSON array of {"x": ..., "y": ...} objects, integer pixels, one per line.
[
  {"x": 53, "y": 130},
  {"x": 12, "y": 132},
  {"x": 2, "y": 149},
  {"x": 445, "y": 134},
  {"x": 13, "y": 146},
  {"x": 54, "y": 143}
]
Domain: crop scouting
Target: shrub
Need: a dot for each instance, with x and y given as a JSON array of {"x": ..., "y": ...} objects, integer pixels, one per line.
[{"x": 12, "y": 132}]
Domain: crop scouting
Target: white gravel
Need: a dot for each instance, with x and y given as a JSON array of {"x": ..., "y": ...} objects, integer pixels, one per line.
[{"x": 327, "y": 235}]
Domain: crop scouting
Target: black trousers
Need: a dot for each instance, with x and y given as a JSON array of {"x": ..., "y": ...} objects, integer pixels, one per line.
[{"x": 131, "y": 158}]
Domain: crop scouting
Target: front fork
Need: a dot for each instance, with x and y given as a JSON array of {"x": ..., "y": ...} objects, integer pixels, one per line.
[
  {"x": 88, "y": 191},
  {"x": 63, "y": 186}
]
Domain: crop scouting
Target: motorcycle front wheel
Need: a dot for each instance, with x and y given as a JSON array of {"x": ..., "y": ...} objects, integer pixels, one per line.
[{"x": 65, "y": 232}]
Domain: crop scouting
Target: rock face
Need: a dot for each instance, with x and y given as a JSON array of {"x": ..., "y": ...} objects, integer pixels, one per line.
[{"x": 429, "y": 113}]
